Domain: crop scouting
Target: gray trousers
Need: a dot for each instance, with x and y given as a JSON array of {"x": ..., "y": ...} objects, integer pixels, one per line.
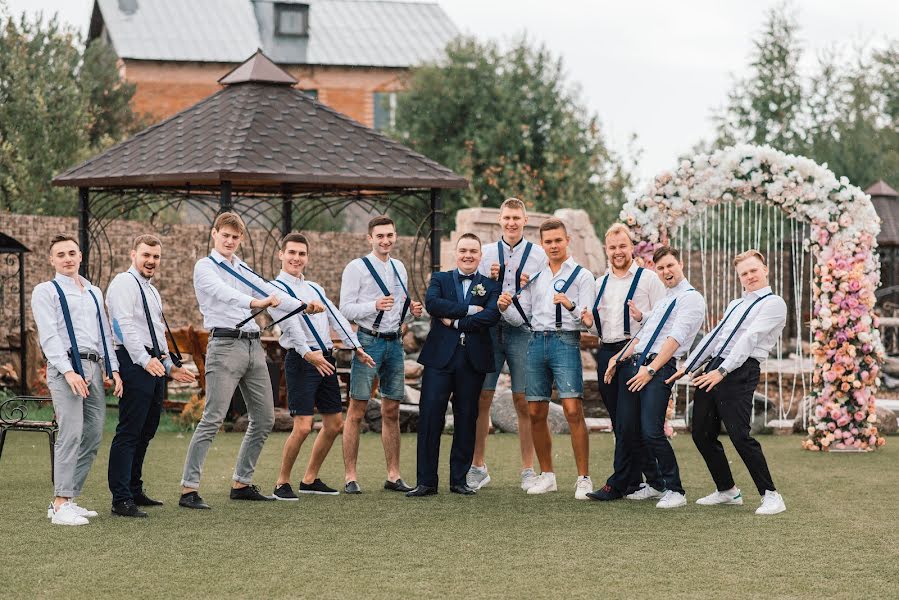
[
  {"x": 230, "y": 363},
  {"x": 80, "y": 428}
]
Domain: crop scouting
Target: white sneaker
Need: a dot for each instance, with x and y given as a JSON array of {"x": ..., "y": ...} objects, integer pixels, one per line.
[
  {"x": 646, "y": 492},
  {"x": 79, "y": 510},
  {"x": 672, "y": 499},
  {"x": 546, "y": 482},
  {"x": 477, "y": 477},
  {"x": 772, "y": 503},
  {"x": 582, "y": 487},
  {"x": 66, "y": 515},
  {"x": 528, "y": 479},
  {"x": 729, "y": 497}
]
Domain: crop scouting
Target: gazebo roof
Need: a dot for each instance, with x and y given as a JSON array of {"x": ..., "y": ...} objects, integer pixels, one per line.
[
  {"x": 10, "y": 244},
  {"x": 259, "y": 133},
  {"x": 886, "y": 204}
]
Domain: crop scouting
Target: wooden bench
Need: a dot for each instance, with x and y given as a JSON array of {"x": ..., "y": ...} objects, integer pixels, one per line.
[{"x": 14, "y": 417}]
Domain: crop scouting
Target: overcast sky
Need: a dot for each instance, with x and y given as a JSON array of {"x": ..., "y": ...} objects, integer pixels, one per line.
[{"x": 654, "y": 68}]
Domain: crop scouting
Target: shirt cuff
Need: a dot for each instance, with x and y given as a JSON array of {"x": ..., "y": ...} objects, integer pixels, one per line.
[
  {"x": 455, "y": 323},
  {"x": 471, "y": 309},
  {"x": 303, "y": 349}
]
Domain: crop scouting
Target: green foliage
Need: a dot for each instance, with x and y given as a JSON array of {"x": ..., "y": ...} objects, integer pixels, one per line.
[
  {"x": 59, "y": 104},
  {"x": 509, "y": 122}
]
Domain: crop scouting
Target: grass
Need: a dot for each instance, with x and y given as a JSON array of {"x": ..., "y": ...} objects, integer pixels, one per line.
[{"x": 838, "y": 537}]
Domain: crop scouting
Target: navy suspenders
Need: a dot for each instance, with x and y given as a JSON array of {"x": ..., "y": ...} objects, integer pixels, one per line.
[
  {"x": 386, "y": 292},
  {"x": 318, "y": 339},
  {"x": 521, "y": 264},
  {"x": 241, "y": 278},
  {"x": 106, "y": 362},
  {"x": 602, "y": 290},
  {"x": 630, "y": 296},
  {"x": 157, "y": 349},
  {"x": 517, "y": 303},
  {"x": 70, "y": 329},
  {"x": 564, "y": 289},
  {"x": 712, "y": 337},
  {"x": 655, "y": 334},
  {"x": 732, "y": 333}
]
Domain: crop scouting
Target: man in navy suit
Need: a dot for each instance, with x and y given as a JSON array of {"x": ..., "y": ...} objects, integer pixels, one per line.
[{"x": 457, "y": 356}]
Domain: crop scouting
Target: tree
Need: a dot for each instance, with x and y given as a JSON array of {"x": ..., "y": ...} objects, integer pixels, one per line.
[{"x": 509, "y": 122}]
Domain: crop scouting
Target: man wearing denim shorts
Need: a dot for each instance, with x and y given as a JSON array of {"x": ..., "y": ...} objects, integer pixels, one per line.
[
  {"x": 511, "y": 261},
  {"x": 374, "y": 294},
  {"x": 556, "y": 306},
  {"x": 310, "y": 370}
]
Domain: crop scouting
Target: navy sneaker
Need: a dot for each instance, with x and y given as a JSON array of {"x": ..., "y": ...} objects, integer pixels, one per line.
[{"x": 317, "y": 487}]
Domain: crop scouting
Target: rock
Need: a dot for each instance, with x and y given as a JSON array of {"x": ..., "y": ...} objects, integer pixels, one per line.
[
  {"x": 410, "y": 343},
  {"x": 408, "y": 417},
  {"x": 283, "y": 421},
  {"x": 413, "y": 369},
  {"x": 886, "y": 421},
  {"x": 420, "y": 328},
  {"x": 413, "y": 396},
  {"x": 504, "y": 417},
  {"x": 587, "y": 361}
]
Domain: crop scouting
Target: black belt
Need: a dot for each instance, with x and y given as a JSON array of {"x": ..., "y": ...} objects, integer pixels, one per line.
[
  {"x": 327, "y": 353},
  {"x": 651, "y": 357},
  {"x": 91, "y": 356},
  {"x": 718, "y": 361},
  {"x": 389, "y": 335},
  {"x": 548, "y": 332},
  {"x": 224, "y": 332},
  {"x": 614, "y": 346}
]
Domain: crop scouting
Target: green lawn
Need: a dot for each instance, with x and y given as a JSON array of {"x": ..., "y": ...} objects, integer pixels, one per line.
[{"x": 838, "y": 537}]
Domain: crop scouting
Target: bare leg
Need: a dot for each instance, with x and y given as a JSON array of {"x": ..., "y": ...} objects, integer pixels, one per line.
[
  {"x": 483, "y": 428},
  {"x": 302, "y": 425},
  {"x": 543, "y": 442},
  {"x": 354, "y": 415},
  {"x": 580, "y": 443},
  {"x": 390, "y": 436},
  {"x": 331, "y": 425},
  {"x": 525, "y": 438}
]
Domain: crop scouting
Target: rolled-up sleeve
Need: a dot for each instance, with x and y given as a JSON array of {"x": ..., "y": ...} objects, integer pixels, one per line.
[
  {"x": 44, "y": 301},
  {"x": 687, "y": 318},
  {"x": 511, "y": 314}
]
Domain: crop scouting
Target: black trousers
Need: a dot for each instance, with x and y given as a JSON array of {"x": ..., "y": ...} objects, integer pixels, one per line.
[
  {"x": 731, "y": 402},
  {"x": 459, "y": 379},
  {"x": 139, "y": 412}
]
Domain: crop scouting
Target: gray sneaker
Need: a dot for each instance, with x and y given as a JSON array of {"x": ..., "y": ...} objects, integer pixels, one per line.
[{"x": 477, "y": 477}]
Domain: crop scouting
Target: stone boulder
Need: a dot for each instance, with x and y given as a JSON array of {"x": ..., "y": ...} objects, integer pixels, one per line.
[
  {"x": 283, "y": 421},
  {"x": 886, "y": 421},
  {"x": 413, "y": 369},
  {"x": 408, "y": 416},
  {"x": 504, "y": 417}
]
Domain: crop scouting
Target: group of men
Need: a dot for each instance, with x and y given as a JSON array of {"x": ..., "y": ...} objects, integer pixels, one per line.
[{"x": 512, "y": 302}]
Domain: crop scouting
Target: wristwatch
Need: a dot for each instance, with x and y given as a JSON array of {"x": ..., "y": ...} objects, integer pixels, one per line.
[
  {"x": 723, "y": 371},
  {"x": 651, "y": 371}
]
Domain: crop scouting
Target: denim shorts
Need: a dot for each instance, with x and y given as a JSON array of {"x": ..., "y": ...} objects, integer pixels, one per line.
[
  {"x": 307, "y": 389},
  {"x": 554, "y": 357},
  {"x": 513, "y": 350},
  {"x": 389, "y": 369}
]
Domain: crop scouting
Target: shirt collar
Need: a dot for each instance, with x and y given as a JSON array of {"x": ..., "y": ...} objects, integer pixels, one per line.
[
  {"x": 65, "y": 279},
  {"x": 509, "y": 246},
  {"x": 758, "y": 293},
  {"x": 137, "y": 274},
  {"x": 285, "y": 276},
  {"x": 234, "y": 262},
  {"x": 459, "y": 271},
  {"x": 683, "y": 286},
  {"x": 630, "y": 271},
  {"x": 372, "y": 256}
]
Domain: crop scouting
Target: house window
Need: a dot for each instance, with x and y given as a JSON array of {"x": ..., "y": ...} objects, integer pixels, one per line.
[
  {"x": 291, "y": 19},
  {"x": 385, "y": 110}
]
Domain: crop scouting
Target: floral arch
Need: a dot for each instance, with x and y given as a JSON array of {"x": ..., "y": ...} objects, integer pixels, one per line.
[{"x": 842, "y": 232}]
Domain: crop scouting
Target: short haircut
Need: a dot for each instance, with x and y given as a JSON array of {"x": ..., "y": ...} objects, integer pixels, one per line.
[
  {"x": 513, "y": 203},
  {"x": 380, "y": 220},
  {"x": 229, "y": 219},
  {"x": 297, "y": 238},
  {"x": 146, "y": 238},
  {"x": 551, "y": 224},
  {"x": 619, "y": 228},
  {"x": 62, "y": 237},
  {"x": 468, "y": 236},
  {"x": 751, "y": 253},
  {"x": 664, "y": 251}
]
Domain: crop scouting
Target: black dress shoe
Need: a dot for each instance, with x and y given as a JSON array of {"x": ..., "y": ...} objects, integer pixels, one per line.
[
  {"x": 420, "y": 491},
  {"x": 352, "y": 487},
  {"x": 141, "y": 499},
  {"x": 192, "y": 500},
  {"x": 250, "y": 492},
  {"x": 127, "y": 509},
  {"x": 605, "y": 494},
  {"x": 397, "y": 486},
  {"x": 462, "y": 489}
]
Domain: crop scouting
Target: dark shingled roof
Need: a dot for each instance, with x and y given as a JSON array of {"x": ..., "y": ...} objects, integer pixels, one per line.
[
  {"x": 261, "y": 135},
  {"x": 9, "y": 244},
  {"x": 886, "y": 203}
]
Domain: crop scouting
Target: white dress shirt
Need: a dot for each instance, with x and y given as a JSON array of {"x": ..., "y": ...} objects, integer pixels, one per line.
[
  {"x": 359, "y": 292},
  {"x": 757, "y": 333},
  {"x": 512, "y": 256},
  {"x": 51, "y": 325},
  {"x": 295, "y": 333},
  {"x": 225, "y": 300},
  {"x": 650, "y": 290},
  {"x": 129, "y": 321},
  {"x": 537, "y": 300},
  {"x": 682, "y": 324}
]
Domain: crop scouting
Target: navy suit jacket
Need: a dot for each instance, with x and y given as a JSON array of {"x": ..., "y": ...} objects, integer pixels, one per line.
[{"x": 442, "y": 301}]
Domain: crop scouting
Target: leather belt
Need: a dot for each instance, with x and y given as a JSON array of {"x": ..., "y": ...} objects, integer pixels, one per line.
[
  {"x": 614, "y": 346},
  {"x": 224, "y": 332},
  {"x": 391, "y": 335},
  {"x": 91, "y": 356}
]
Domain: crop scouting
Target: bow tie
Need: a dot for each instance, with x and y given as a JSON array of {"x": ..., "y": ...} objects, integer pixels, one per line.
[{"x": 468, "y": 277}]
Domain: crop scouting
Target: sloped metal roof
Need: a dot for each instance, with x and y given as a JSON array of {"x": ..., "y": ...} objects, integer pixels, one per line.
[
  {"x": 260, "y": 135},
  {"x": 341, "y": 32}
]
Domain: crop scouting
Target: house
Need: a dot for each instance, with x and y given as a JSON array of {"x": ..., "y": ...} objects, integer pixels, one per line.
[{"x": 353, "y": 55}]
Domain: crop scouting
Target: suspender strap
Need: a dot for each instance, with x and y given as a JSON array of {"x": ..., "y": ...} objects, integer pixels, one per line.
[
  {"x": 564, "y": 289},
  {"x": 630, "y": 296},
  {"x": 70, "y": 329},
  {"x": 408, "y": 301},
  {"x": 711, "y": 338},
  {"x": 655, "y": 334},
  {"x": 318, "y": 338},
  {"x": 517, "y": 303},
  {"x": 602, "y": 290},
  {"x": 502, "y": 265},
  {"x": 106, "y": 362},
  {"x": 384, "y": 290},
  {"x": 157, "y": 351},
  {"x": 241, "y": 278},
  {"x": 521, "y": 264},
  {"x": 333, "y": 314},
  {"x": 175, "y": 353},
  {"x": 740, "y": 322}
]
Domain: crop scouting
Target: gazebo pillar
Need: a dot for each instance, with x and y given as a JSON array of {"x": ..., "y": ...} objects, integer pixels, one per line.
[
  {"x": 225, "y": 202},
  {"x": 436, "y": 228},
  {"x": 286, "y": 214},
  {"x": 84, "y": 215}
]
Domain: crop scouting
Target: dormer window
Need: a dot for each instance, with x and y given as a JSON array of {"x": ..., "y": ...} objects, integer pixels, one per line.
[{"x": 291, "y": 20}]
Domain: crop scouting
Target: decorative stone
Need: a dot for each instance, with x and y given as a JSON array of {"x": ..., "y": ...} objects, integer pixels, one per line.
[
  {"x": 504, "y": 417},
  {"x": 886, "y": 421},
  {"x": 413, "y": 369},
  {"x": 412, "y": 395}
]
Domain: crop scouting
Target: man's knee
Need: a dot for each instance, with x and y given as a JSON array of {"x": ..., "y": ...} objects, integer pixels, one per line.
[
  {"x": 574, "y": 411},
  {"x": 332, "y": 426},
  {"x": 520, "y": 404},
  {"x": 390, "y": 410}
]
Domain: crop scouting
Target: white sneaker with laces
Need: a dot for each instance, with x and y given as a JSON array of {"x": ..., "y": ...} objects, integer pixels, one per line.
[
  {"x": 646, "y": 492},
  {"x": 66, "y": 515},
  {"x": 546, "y": 482},
  {"x": 772, "y": 503},
  {"x": 528, "y": 479},
  {"x": 732, "y": 496},
  {"x": 79, "y": 510},
  {"x": 672, "y": 499},
  {"x": 477, "y": 477},
  {"x": 582, "y": 487}
]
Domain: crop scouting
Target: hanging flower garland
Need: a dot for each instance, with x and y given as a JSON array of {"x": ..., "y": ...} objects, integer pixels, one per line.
[{"x": 847, "y": 348}]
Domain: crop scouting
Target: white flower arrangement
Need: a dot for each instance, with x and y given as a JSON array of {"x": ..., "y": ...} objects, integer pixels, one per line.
[{"x": 479, "y": 290}]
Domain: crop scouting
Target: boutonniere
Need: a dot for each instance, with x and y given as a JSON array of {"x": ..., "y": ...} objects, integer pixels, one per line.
[{"x": 479, "y": 290}]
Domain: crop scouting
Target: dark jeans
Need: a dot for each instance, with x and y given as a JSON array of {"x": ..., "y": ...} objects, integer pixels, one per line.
[
  {"x": 460, "y": 379},
  {"x": 628, "y": 462},
  {"x": 642, "y": 414},
  {"x": 730, "y": 401},
  {"x": 139, "y": 412}
]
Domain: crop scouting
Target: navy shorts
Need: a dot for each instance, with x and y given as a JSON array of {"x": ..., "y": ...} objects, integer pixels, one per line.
[{"x": 307, "y": 389}]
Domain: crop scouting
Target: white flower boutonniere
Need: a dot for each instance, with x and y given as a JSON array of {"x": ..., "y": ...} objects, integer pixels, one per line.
[{"x": 479, "y": 290}]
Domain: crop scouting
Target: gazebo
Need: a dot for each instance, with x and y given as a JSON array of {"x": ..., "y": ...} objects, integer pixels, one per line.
[
  {"x": 12, "y": 279},
  {"x": 268, "y": 151}
]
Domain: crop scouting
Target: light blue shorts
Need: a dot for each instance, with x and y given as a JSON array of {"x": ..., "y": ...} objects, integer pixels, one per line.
[
  {"x": 510, "y": 345},
  {"x": 554, "y": 357}
]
